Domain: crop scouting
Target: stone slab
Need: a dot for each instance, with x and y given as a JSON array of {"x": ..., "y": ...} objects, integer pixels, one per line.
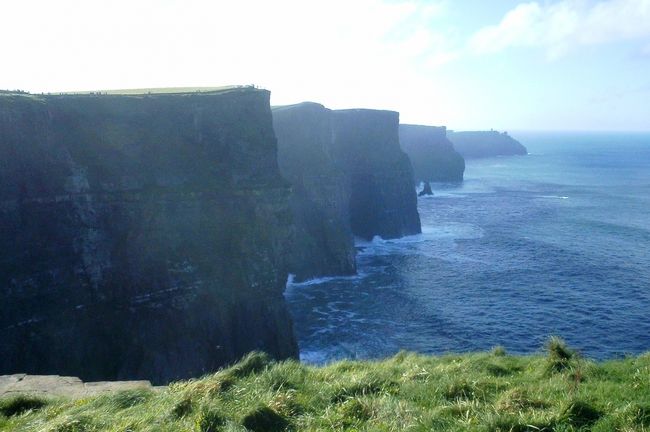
[{"x": 65, "y": 386}]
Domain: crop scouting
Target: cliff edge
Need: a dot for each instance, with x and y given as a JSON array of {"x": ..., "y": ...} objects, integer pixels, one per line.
[
  {"x": 143, "y": 236},
  {"x": 365, "y": 146},
  {"x": 433, "y": 156},
  {"x": 323, "y": 244}
]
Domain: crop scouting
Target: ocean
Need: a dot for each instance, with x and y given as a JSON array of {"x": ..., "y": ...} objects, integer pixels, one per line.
[{"x": 553, "y": 243}]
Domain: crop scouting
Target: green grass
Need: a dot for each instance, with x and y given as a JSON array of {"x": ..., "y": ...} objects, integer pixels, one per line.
[
  {"x": 162, "y": 90},
  {"x": 557, "y": 391},
  {"x": 131, "y": 92},
  {"x": 17, "y": 405}
]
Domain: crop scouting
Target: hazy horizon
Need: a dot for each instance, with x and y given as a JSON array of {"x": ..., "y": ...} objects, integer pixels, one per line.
[{"x": 560, "y": 65}]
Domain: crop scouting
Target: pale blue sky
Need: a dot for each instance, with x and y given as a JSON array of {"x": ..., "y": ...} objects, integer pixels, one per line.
[{"x": 467, "y": 64}]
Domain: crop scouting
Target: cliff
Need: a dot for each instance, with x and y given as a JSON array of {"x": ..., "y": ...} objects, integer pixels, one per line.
[
  {"x": 485, "y": 144},
  {"x": 433, "y": 156},
  {"x": 142, "y": 237},
  {"x": 365, "y": 146},
  {"x": 323, "y": 243}
]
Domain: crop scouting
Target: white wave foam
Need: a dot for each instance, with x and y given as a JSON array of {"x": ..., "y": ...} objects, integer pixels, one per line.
[
  {"x": 452, "y": 230},
  {"x": 446, "y": 233},
  {"x": 444, "y": 194},
  {"x": 317, "y": 281},
  {"x": 553, "y": 197},
  {"x": 380, "y": 246},
  {"x": 471, "y": 185}
]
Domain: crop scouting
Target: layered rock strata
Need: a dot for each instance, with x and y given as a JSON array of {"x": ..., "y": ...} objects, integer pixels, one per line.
[
  {"x": 142, "y": 237},
  {"x": 323, "y": 244},
  {"x": 433, "y": 156},
  {"x": 365, "y": 146}
]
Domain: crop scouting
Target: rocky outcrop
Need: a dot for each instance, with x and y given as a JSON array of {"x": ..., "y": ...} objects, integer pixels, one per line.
[
  {"x": 433, "y": 156},
  {"x": 365, "y": 146},
  {"x": 481, "y": 144},
  {"x": 426, "y": 190},
  {"x": 64, "y": 386},
  {"x": 323, "y": 243},
  {"x": 142, "y": 237}
]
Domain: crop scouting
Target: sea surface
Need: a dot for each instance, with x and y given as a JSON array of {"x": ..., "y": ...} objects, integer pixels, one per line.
[{"x": 553, "y": 243}]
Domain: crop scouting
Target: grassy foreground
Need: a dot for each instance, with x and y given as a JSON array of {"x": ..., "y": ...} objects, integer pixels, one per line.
[{"x": 471, "y": 392}]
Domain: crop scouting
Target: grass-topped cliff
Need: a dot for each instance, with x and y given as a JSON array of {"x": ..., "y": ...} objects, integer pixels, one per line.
[
  {"x": 142, "y": 235},
  {"x": 157, "y": 90},
  {"x": 493, "y": 391}
]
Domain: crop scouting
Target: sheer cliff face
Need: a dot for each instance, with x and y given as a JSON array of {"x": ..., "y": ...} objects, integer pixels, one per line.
[
  {"x": 141, "y": 236},
  {"x": 365, "y": 145},
  {"x": 432, "y": 154},
  {"x": 486, "y": 144},
  {"x": 323, "y": 243}
]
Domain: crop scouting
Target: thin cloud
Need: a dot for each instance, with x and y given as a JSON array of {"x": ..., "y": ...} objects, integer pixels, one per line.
[
  {"x": 645, "y": 51},
  {"x": 566, "y": 25}
]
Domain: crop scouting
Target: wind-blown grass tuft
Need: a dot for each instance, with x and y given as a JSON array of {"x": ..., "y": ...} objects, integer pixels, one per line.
[
  {"x": 580, "y": 413},
  {"x": 20, "y": 404},
  {"x": 209, "y": 420},
  {"x": 641, "y": 415},
  {"x": 252, "y": 363},
  {"x": 264, "y": 419},
  {"x": 559, "y": 355},
  {"x": 127, "y": 398}
]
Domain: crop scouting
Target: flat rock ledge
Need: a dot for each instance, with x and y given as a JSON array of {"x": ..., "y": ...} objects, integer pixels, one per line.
[{"x": 63, "y": 386}]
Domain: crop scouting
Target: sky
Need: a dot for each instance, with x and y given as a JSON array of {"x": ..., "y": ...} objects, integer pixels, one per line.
[{"x": 466, "y": 64}]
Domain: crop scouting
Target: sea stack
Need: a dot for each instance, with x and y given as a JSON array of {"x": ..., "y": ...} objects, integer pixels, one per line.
[
  {"x": 143, "y": 236},
  {"x": 323, "y": 244},
  {"x": 433, "y": 156},
  {"x": 383, "y": 201},
  {"x": 426, "y": 190}
]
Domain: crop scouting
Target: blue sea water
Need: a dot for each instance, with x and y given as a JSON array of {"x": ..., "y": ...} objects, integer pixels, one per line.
[{"x": 553, "y": 243}]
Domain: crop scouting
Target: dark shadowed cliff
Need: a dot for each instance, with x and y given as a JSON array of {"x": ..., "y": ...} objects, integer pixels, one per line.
[
  {"x": 323, "y": 243},
  {"x": 383, "y": 201},
  {"x": 485, "y": 144},
  {"x": 432, "y": 154},
  {"x": 141, "y": 236}
]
